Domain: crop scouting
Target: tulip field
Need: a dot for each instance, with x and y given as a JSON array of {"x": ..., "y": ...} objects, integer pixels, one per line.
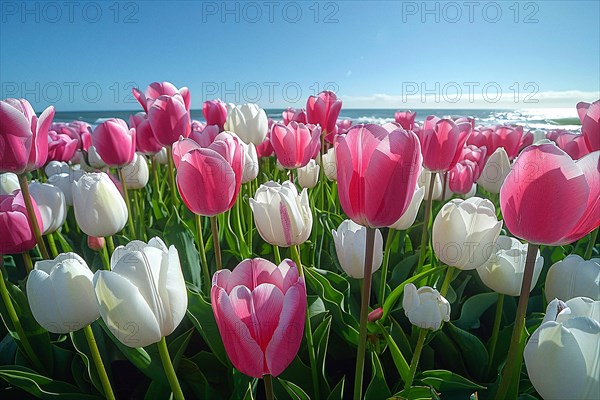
[{"x": 305, "y": 257}]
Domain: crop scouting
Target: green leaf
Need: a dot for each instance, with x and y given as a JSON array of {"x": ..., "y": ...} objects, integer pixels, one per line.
[
  {"x": 399, "y": 360},
  {"x": 473, "y": 308},
  {"x": 338, "y": 391},
  {"x": 443, "y": 381},
  {"x": 178, "y": 234},
  {"x": 378, "y": 388},
  {"x": 413, "y": 393},
  {"x": 81, "y": 346},
  {"x": 294, "y": 392},
  {"x": 473, "y": 350},
  {"x": 321, "y": 339}
]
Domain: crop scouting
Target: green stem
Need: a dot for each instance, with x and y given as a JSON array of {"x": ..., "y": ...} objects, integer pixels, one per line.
[
  {"x": 110, "y": 244},
  {"x": 591, "y": 243},
  {"x": 268, "y": 381},
  {"x": 445, "y": 181},
  {"x": 514, "y": 358},
  {"x": 155, "y": 178},
  {"x": 105, "y": 259},
  {"x": 238, "y": 223},
  {"x": 447, "y": 280},
  {"x": 12, "y": 314},
  {"x": 28, "y": 262},
  {"x": 495, "y": 331},
  {"x": 415, "y": 358},
  {"x": 52, "y": 244},
  {"x": 277, "y": 254},
  {"x": 89, "y": 335},
  {"x": 426, "y": 223},
  {"x": 171, "y": 172},
  {"x": 33, "y": 222},
  {"x": 308, "y": 329},
  {"x": 201, "y": 250},
  {"x": 169, "y": 370},
  {"x": 249, "y": 219},
  {"x": 130, "y": 226},
  {"x": 322, "y": 177},
  {"x": 386, "y": 261},
  {"x": 215, "y": 234},
  {"x": 364, "y": 311}
]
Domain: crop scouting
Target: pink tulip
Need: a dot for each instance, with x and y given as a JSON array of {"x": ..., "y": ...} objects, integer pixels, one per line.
[
  {"x": 157, "y": 89},
  {"x": 377, "y": 173},
  {"x": 406, "y": 119},
  {"x": 169, "y": 119},
  {"x": 295, "y": 144},
  {"x": 197, "y": 125},
  {"x": 442, "y": 142},
  {"x": 86, "y": 140},
  {"x": 215, "y": 112},
  {"x": 95, "y": 243},
  {"x": 294, "y": 114},
  {"x": 526, "y": 140},
  {"x": 63, "y": 128},
  {"x": 144, "y": 137},
  {"x": 114, "y": 142},
  {"x": 265, "y": 149},
  {"x": 555, "y": 133},
  {"x": 209, "y": 179},
  {"x": 589, "y": 114},
  {"x": 547, "y": 198},
  {"x": 508, "y": 137},
  {"x": 343, "y": 125},
  {"x": 323, "y": 109},
  {"x": 260, "y": 311},
  {"x": 61, "y": 147},
  {"x": 182, "y": 147},
  {"x": 573, "y": 144},
  {"x": 17, "y": 236},
  {"x": 205, "y": 136},
  {"x": 23, "y": 137},
  {"x": 462, "y": 176},
  {"x": 476, "y": 155}
]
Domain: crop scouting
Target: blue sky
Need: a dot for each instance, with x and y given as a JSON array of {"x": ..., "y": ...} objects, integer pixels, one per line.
[{"x": 396, "y": 54}]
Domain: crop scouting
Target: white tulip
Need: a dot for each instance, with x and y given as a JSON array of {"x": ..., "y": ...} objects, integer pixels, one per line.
[
  {"x": 99, "y": 207},
  {"x": 64, "y": 182},
  {"x": 162, "y": 156},
  {"x": 282, "y": 216},
  {"x": 56, "y": 167},
  {"x": 250, "y": 163},
  {"x": 426, "y": 307},
  {"x": 410, "y": 215},
  {"x": 495, "y": 171},
  {"x": 94, "y": 159},
  {"x": 61, "y": 294},
  {"x": 562, "y": 356},
  {"x": 308, "y": 176},
  {"x": 51, "y": 203},
  {"x": 143, "y": 297},
  {"x": 503, "y": 272},
  {"x": 573, "y": 277},
  {"x": 425, "y": 181},
  {"x": 350, "y": 245},
  {"x": 136, "y": 173},
  {"x": 248, "y": 121},
  {"x": 329, "y": 165},
  {"x": 8, "y": 183},
  {"x": 465, "y": 232}
]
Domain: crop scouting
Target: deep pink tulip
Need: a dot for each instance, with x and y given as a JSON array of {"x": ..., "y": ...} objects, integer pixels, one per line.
[
  {"x": 476, "y": 155},
  {"x": 182, "y": 147},
  {"x": 197, "y": 125},
  {"x": 469, "y": 120},
  {"x": 406, "y": 119},
  {"x": 260, "y": 311},
  {"x": 66, "y": 129},
  {"x": 442, "y": 142},
  {"x": 547, "y": 198},
  {"x": 23, "y": 136},
  {"x": 17, "y": 236},
  {"x": 526, "y": 140},
  {"x": 295, "y": 144},
  {"x": 95, "y": 243},
  {"x": 144, "y": 137},
  {"x": 324, "y": 110},
  {"x": 157, "y": 89},
  {"x": 209, "y": 179},
  {"x": 508, "y": 137},
  {"x": 215, "y": 112},
  {"x": 377, "y": 173},
  {"x": 206, "y": 135},
  {"x": 114, "y": 142},
  {"x": 265, "y": 149},
  {"x": 555, "y": 133},
  {"x": 294, "y": 114},
  {"x": 589, "y": 114},
  {"x": 169, "y": 119},
  {"x": 343, "y": 125},
  {"x": 573, "y": 144},
  {"x": 462, "y": 176},
  {"x": 61, "y": 147}
]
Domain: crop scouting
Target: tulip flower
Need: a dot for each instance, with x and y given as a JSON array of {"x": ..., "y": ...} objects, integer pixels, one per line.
[
  {"x": 424, "y": 182},
  {"x": 533, "y": 215},
  {"x": 248, "y": 121},
  {"x": 426, "y": 307},
  {"x": 329, "y": 165},
  {"x": 462, "y": 177},
  {"x": 260, "y": 311},
  {"x": 61, "y": 147},
  {"x": 157, "y": 89},
  {"x": 442, "y": 142},
  {"x": 589, "y": 114},
  {"x": 375, "y": 315},
  {"x": 144, "y": 136},
  {"x": 573, "y": 144},
  {"x": 368, "y": 158},
  {"x": 56, "y": 167},
  {"x": 215, "y": 113},
  {"x": 526, "y": 140},
  {"x": 308, "y": 176},
  {"x": 295, "y": 144},
  {"x": 561, "y": 356},
  {"x": 64, "y": 181},
  {"x": 265, "y": 149},
  {"x": 282, "y": 216},
  {"x": 61, "y": 294},
  {"x": 161, "y": 157},
  {"x": 323, "y": 110},
  {"x": 96, "y": 243},
  {"x": 250, "y": 163},
  {"x": 136, "y": 173},
  {"x": 17, "y": 236},
  {"x": 573, "y": 277},
  {"x": 24, "y": 136},
  {"x": 410, "y": 215},
  {"x": 99, "y": 207},
  {"x": 9, "y": 182},
  {"x": 406, "y": 119},
  {"x": 94, "y": 160},
  {"x": 114, "y": 142},
  {"x": 476, "y": 155},
  {"x": 342, "y": 126},
  {"x": 51, "y": 204},
  {"x": 169, "y": 119},
  {"x": 465, "y": 232},
  {"x": 350, "y": 245},
  {"x": 205, "y": 136},
  {"x": 137, "y": 306},
  {"x": 294, "y": 114},
  {"x": 503, "y": 271},
  {"x": 495, "y": 171}
]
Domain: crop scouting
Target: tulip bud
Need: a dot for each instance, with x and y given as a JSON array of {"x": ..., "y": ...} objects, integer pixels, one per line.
[
  {"x": 94, "y": 159},
  {"x": 8, "y": 183},
  {"x": 426, "y": 307},
  {"x": 136, "y": 173},
  {"x": 248, "y": 121},
  {"x": 51, "y": 203},
  {"x": 17, "y": 236},
  {"x": 424, "y": 181},
  {"x": 115, "y": 142},
  {"x": 250, "y": 163},
  {"x": 350, "y": 246},
  {"x": 308, "y": 176},
  {"x": 573, "y": 277},
  {"x": 61, "y": 295},
  {"x": 329, "y": 165},
  {"x": 495, "y": 171},
  {"x": 64, "y": 182},
  {"x": 95, "y": 243},
  {"x": 375, "y": 315},
  {"x": 410, "y": 215},
  {"x": 162, "y": 157}
]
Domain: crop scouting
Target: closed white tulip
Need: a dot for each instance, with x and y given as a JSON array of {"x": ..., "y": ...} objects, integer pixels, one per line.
[
  {"x": 64, "y": 181},
  {"x": 248, "y": 121},
  {"x": 143, "y": 297},
  {"x": 350, "y": 246},
  {"x": 465, "y": 232},
  {"x": 8, "y": 183},
  {"x": 250, "y": 163},
  {"x": 308, "y": 176},
  {"x": 99, "y": 207},
  {"x": 495, "y": 171},
  {"x": 61, "y": 294},
  {"x": 573, "y": 277},
  {"x": 426, "y": 307},
  {"x": 425, "y": 180},
  {"x": 94, "y": 159},
  {"x": 282, "y": 216},
  {"x": 56, "y": 167},
  {"x": 329, "y": 165},
  {"x": 562, "y": 356},
  {"x": 162, "y": 157},
  {"x": 410, "y": 215},
  {"x": 136, "y": 173},
  {"x": 503, "y": 272},
  {"x": 51, "y": 203}
]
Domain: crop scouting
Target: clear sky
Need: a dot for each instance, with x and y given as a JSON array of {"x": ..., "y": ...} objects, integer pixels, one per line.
[{"x": 82, "y": 55}]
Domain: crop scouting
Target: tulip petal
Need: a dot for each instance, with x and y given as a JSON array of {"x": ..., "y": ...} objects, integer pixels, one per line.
[{"x": 267, "y": 302}]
